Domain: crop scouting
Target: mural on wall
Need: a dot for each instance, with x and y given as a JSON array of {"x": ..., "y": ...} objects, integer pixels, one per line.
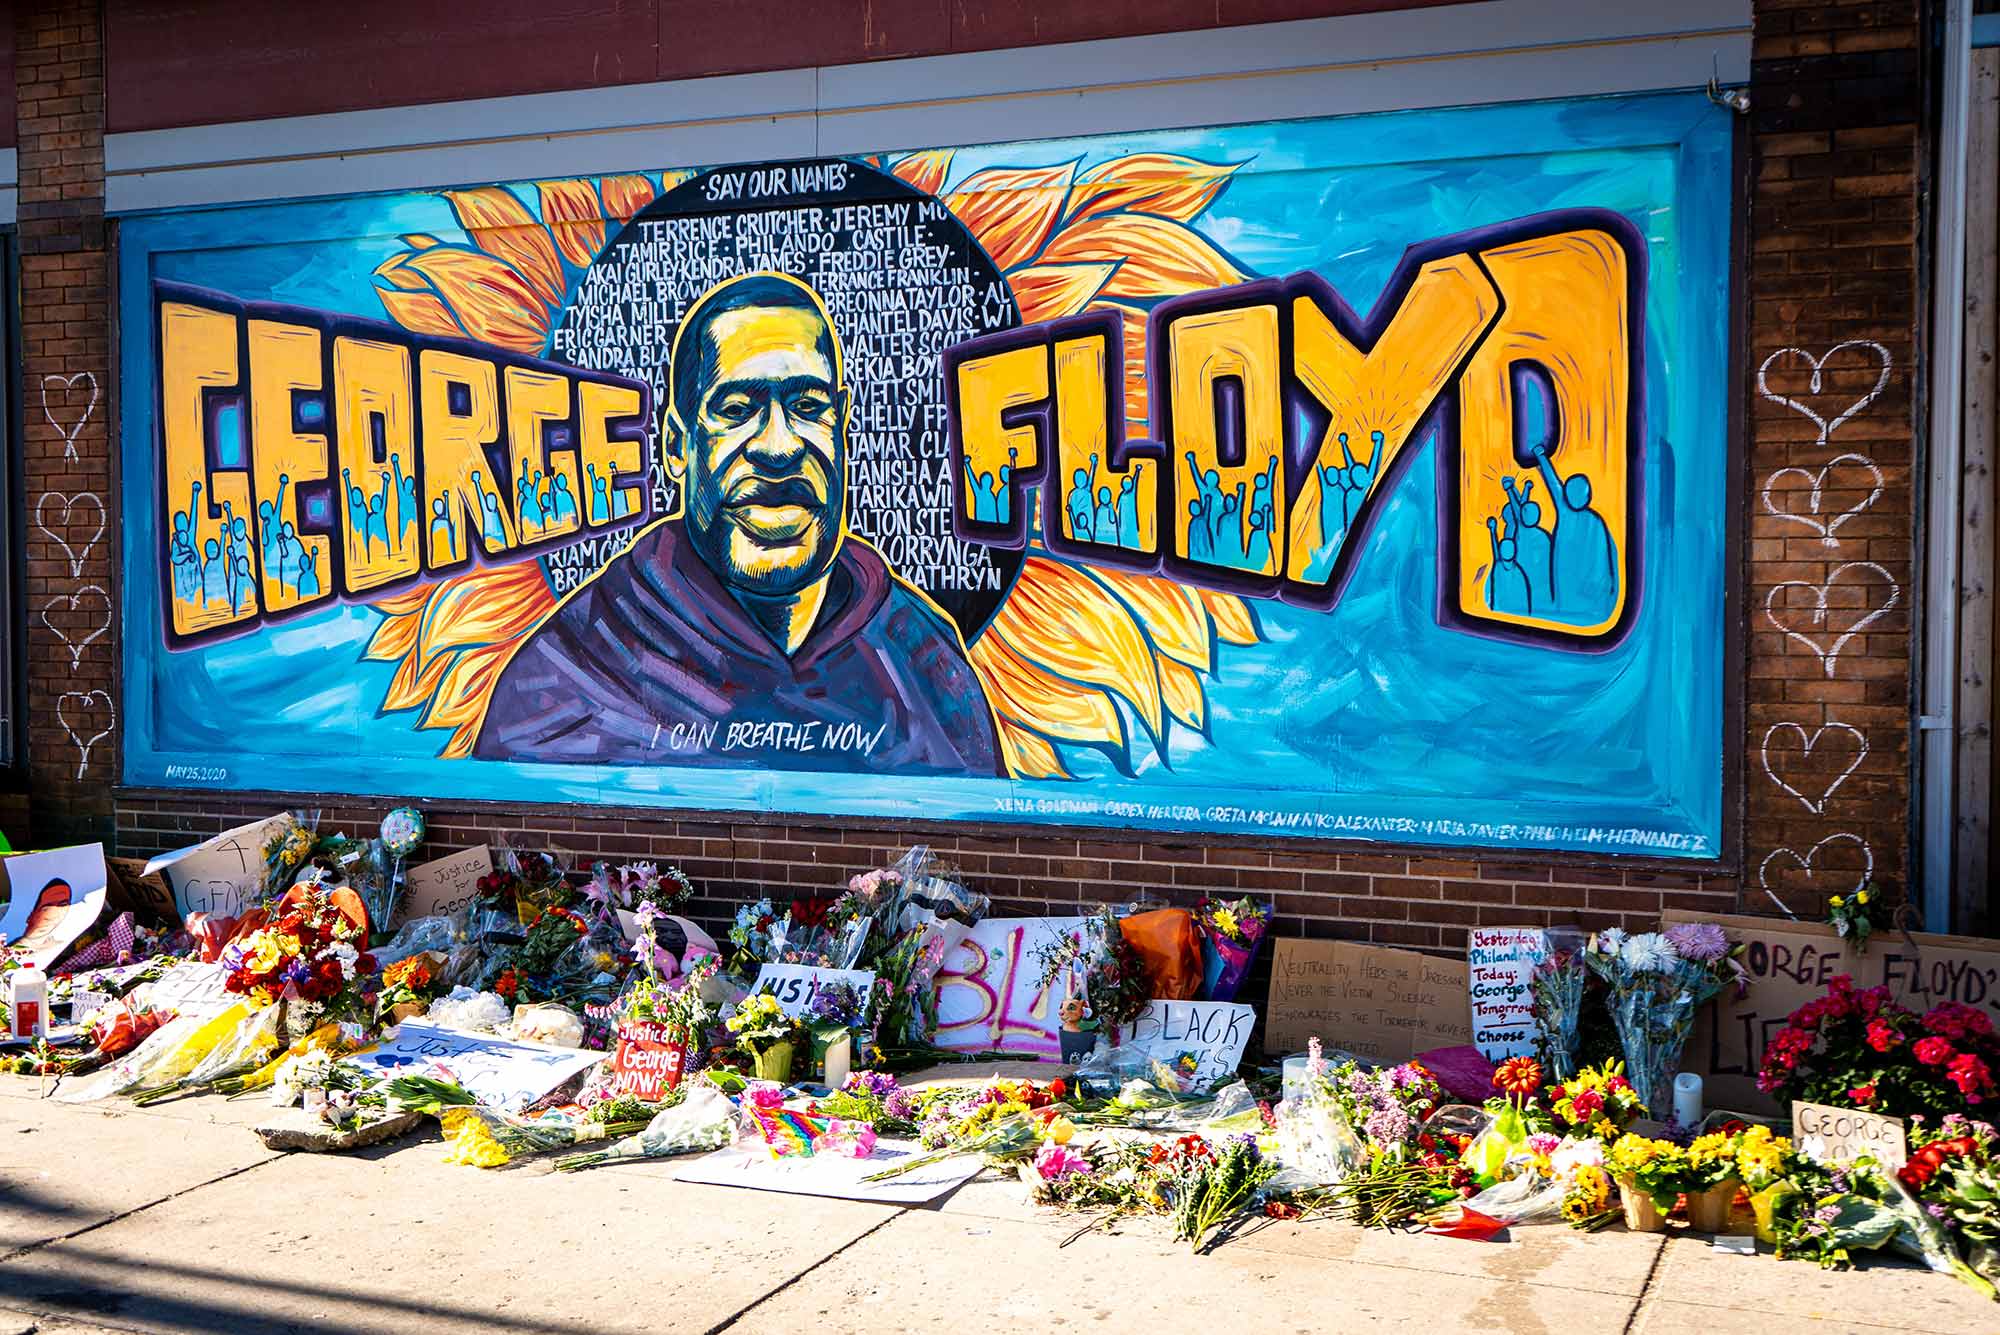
[{"x": 1058, "y": 481}]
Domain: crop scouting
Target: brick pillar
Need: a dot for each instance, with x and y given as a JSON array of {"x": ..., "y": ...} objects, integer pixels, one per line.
[
  {"x": 1831, "y": 361},
  {"x": 72, "y": 590}
]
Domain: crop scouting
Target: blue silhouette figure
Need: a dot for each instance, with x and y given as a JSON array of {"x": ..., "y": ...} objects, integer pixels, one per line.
[
  {"x": 185, "y": 562},
  {"x": 1003, "y": 494},
  {"x": 288, "y": 543},
  {"x": 441, "y": 519},
  {"x": 308, "y": 577},
  {"x": 406, "y": 497},
  {"x": 1584, "y": 560},
  {"x": 1332, "y": 521},
  {"x": 1200, "y": 548},
  {"x": 357, "y": 505},
  {"x": 244, "y": 595},
  {"x": 1105, "y": 518},
  {"x": 378, "y": 522},
  {"x": 490, "y": 527},
  {"x": 1506, "y": 583},
  {"x": 1259, "y": 551},
  {"x": 214, "y": 581},
  {"x": 600, "y": 507},
  {"x": 563, "y": 503},
  {"x": 1078, "y": 503},
  {"x": 1532, "y": 544},
  {"x": 1128, "y": 510},
  {"x": 1229, "y": 531},
  {"x": 524, "y": 499},
  {"x": 979, "y": 489}
]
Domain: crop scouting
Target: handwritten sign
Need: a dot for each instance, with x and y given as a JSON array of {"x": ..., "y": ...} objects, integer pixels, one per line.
[
  {"x": 795, "y": 985},
  {"x": 1842, "y": 1135},
  {"x": 1498, "y": 961},
  {"x": 1201, "y": 1042},
  {"x": 446, "y": 885},
  {"x": 990, "y": 997},
  {"x": 222, "y": 876},
  {"x": 147, "y": 895},
  {"x": 647, "y": 1062},
  {"x": 502, "y": 1073},
  {"x": 193, "y": 988},
  {"x": 1369, "y": 1000}
]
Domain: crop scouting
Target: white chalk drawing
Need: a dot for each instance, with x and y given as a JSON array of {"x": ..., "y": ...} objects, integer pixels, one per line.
[
  {"x": 84, "y": 744},
  {"x": 75, "y": 556},
  {"x": 1806, "y": 864},
  {"x": 1814, "y": 519},
  {"x": 75, "y": 601},
  {"x": 69, "y": 432},
  {"x": 1807, "y": 742},
  {"x": 1827, "y": 426},
  {"x": 1828, "y": 653}
]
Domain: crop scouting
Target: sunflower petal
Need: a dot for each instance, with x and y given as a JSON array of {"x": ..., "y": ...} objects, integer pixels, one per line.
[
  {"x": 1171, "y": 614},
  {"x": 1185, "y": 698},
  {"x": 1051, "y": 291},
  {"x": 1171, "y": 185},
  {"x": 501, "y": 225},
  {"x": 926, "y": 170},
  {"x": 1012, "y": 210},
  {"x": 575, "y": 218},
  {"x": 625, "y": 195},
  {"x": 1027, "y": 756},
  {"x": 486, "y": 607},
  {"x": 467, "y": 687},
  {"x": 1233, "y": 619},
  {"x": 420, "y": 241},
  {"x": 413, "y": 687},
  {"x": 419, "y": 312},
  {"x": 395, "y": 637},
  {"x": 1161, "y": 257},
  {"x": 1022, "y": 691},
  {"x": 1059, "y": 618},
  {"x": 492, "y": 299}
]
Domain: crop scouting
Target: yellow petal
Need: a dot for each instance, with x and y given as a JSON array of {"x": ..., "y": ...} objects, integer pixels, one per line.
[
  {"x": 492, "y": 300},
  {"x": 1186, "y": 700},
  {"x": 1059, "y": 618},
  {"x": 625, "y": 195},
  {"x": 1233, "y": 619},
  {"x": 486, "y": 607},
  {"x": 420, "y": 241},
  {"x": 1051, "y": 291},
  {"x": 575, "y": 219},
  {"x": 392, "y": 269},
  {"x": 1025, "y": 693},
  {"x": 416, "y": 682},
  {"x": 1011, "y": 210},
  {"x": 926, "y": 170},
  {"x": 467, "y": 687},
  {"x": 1161, "y": 258},
  {"x": 1169, "y": 184},
  {"x": 1029, "y": 756},
  {"x": 501, "y": 225},
  {"x": 1171, "y": 613},
  {"x": 396, "y": 636},
  {"x": 419, "y": 312}
]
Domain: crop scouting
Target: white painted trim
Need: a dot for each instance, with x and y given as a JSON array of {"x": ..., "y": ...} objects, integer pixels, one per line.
[{"x": 1479, "y": 52}]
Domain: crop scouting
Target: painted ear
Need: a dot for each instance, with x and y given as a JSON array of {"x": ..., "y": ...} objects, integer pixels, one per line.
[{"x": 673, "y": 444}]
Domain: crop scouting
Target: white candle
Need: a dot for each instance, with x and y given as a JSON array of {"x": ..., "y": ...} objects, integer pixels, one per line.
[
  {"x": 1687, "y": 1099},
  {"x": 839, "y": 1056}
]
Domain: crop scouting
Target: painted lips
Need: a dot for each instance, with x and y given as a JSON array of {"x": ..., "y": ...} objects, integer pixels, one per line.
[{"x": 775, "y": 511}]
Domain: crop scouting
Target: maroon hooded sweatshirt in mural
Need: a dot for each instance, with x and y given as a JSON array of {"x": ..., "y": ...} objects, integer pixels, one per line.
[{"x": 654, "y": 663}]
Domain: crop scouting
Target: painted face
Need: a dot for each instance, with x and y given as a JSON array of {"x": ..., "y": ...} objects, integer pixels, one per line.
[{"x": 767, "y": 452}]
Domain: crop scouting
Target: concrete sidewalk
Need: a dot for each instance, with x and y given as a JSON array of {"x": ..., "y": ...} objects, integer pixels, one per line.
[{"x": 176, "y": 1218}]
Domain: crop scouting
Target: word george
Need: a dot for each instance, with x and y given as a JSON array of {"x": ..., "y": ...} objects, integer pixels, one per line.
[
  {"x": 305, "y": 456},
  {"x": 1837, "y": 1136},
  {"x": 1282, "y": 422}
]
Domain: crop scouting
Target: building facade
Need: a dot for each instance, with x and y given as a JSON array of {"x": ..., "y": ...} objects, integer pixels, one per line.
[{"x": 1426, "y": 465}]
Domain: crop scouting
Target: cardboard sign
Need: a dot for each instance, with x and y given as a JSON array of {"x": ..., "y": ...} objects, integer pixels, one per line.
[
  {"x": 989, "y": 993},
  {"x": 647, "y": 1063},
  {"x": 1498, "y": 961},
  {"x": 1842, "y": 1135},
  {"x": 503, "y": 1073},
  {"x": 1790, "y": 963},
  {"x": 193, "y": 988},
  {"x": 222, "y": 876},
  {"x": 52, "y": 899},
  {"x": 795, "y": 985},
  {"x": 446, "y": 885},
  {"x": 1201, "y": 1042},
  {"x": 145, "y": 895},
  {"x": 1368, "y": 1000}
]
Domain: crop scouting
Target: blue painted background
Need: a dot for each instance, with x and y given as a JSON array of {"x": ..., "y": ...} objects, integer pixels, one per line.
[{"x": 1370, "y": 720}]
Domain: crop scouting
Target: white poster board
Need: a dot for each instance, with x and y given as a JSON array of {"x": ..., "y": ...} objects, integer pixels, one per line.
[
  {"x": 795, "y": 985},
  {"x": 989, "y": 997},
  {"x": 53, "y": 897},
  {"x": 503, "y": 1073},
  {"x": 222, "y": 876},
  {"x": 192, "y": 988},
  {"x": 1201, "y": 1042},
  {"x": 833, "y": 1174},
  {"x": 1498, "y": 963}
]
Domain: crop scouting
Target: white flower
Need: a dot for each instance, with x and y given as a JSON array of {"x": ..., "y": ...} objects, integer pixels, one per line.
[
  {"x": 1649, "y": 952},
  {"x": 1609, "y": 941},
  {"x": 1574, "y": 1154}
]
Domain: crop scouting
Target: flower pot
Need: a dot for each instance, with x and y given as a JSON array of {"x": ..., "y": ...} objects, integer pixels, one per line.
[
  {"x": 1708, "y": 1211},
  {"x": 774, "y": 1063},
  {"x": 1641, "y": 1215}
]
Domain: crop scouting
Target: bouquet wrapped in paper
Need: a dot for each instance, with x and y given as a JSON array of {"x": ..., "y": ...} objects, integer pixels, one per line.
[{"x": 1231, "y": 932}]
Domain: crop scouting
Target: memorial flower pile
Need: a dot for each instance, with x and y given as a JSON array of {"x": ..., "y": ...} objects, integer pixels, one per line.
[
  {"x": 1860, "y": 1048},
  {"x": 314, "y": 951},
  {"x": 1658, "y": 981}
]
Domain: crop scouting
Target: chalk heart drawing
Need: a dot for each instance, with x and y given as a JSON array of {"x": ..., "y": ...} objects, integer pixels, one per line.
[
  {"x": 85, "y": 702},
  {"x": 1808, "y": 743},
  {"x": 83, "y": 501},
  {"x": 76, "y": 601},
  {"x": 1815, "y": 516},
  {"x": 1808, "y": 863},
  {"x": 1801, "y": 381},
  {"x": 63, "y": 413},
  {"x": 1826, "y": 630}
]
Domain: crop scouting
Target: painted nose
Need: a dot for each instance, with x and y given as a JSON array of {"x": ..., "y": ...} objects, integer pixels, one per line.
[{"x": 776, "y": 447}]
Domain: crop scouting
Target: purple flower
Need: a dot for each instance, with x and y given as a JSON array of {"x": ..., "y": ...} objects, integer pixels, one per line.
[
  {"x": 1702, "y": 941},
  {"x": 1936, "y": 1210},
  {"x": 296, "y": 971},
  {"x": 1388, "y": 1126}
]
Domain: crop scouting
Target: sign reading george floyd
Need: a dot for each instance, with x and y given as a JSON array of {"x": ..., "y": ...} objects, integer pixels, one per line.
[
  {"x": 1842, "y": 1135},
  {"x": 1368, "y": 1000}
]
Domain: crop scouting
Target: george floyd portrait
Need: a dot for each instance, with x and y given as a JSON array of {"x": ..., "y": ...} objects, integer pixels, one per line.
[{"x": 754, "y": 628}]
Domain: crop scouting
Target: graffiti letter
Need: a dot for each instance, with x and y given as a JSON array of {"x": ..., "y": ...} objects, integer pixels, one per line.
[
  {"x": 376, "y": 435},
  {"x": 284, "y": 364},
  {"x": 201, "y": 427}
]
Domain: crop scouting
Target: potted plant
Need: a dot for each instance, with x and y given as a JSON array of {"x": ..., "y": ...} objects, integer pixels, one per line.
[
  {"x": 761, "y": 1030},
  {"x": 1650, "y": 1174},
  {"x": 1712, "y": 1179}
]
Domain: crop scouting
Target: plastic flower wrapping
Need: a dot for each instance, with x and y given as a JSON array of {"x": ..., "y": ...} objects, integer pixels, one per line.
[{"x": 1658, "y": 983}]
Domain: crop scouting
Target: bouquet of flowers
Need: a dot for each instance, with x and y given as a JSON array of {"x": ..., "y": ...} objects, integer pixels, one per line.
[
  {"x": 1658, "y": 981},
  {"x": 409, "y": 986},
  {"x": 540, "y": 882},
  {"x": 762, "y": 1031},
  {"x": 751, "y": 934},
  {"x": 1556, "y": 988},
  {"x": 873, "y": 1097},
  {"x": 1597, "y": 1101},
  {"x": 312, "y": 952},
  {"x": 1656, "y": 1170},
  {"x": 1387, "y": 1105},
  {"x": 1231, "y": 931},
  {"x": 552, "y": 933},
  {"x": 1860, "y": 1048},
  {"x": 285, "y": 852},
  {"x": 634, "y": 883}
]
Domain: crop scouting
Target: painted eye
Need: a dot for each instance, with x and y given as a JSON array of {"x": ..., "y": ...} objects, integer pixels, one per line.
[
  {"x": 736, "y": 410},
  {"x": 811, "y": 406}
]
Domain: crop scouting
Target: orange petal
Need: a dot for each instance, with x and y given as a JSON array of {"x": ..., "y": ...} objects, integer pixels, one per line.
[
  {"x": 409, "y": 600},
  {"x": 1169, "y": 184},
  {"x": 576, "y": 219},
  {"x": 1133, "y": 328},
  {"x": 926, "y": 170},
  {"x": 1051, "y": 291},
  {"x": 1170, "y": 613},
  {"x": 625, "y": 195},
  {"x": 1161, "y": 258},
  {"x": 1060, "y": 619},
  {"x": 395, "y": 637},
  {"x": 1233, "y": 619},
  {"x": 419, "y": 312},
  {"x": 486, "y": 607},
  {"x": 1186, "y": 700},
  {"x": 1011, "y": 210},
  {"x": 420, "y": 241},
  {"x": 1027, "y": 756},
  {"x": 501, "y": 225},
  {"x": 1022, "y": 691},
  {"x": 467, "y": 687},
  {"x": 492, "y": 300},
  {"x": 413, "y": 687}
]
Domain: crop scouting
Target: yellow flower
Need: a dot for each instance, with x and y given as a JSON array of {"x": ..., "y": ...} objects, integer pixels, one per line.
[
  {"x": 1060, "y": 1130},
  {"x": 1861, "y": 898},
  {"x": 1837, "y": 901},
  {"x": 1226, "y": 922}
]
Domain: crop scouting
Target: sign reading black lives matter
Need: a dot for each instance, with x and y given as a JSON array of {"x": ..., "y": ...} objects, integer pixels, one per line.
[{"x": 902, "y": 280}]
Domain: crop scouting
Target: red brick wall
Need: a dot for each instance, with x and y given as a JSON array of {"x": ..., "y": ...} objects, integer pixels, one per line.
[
  {"x": 71, "y": 589},
  {"x": 1835, "y": 120}
]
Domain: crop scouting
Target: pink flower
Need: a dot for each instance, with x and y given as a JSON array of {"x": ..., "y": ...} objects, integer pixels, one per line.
[
  {"x": 1882, "y": 1035},
  {"x": 1055, "y": 1161},
  {"x": 768, "y": 1098},
  {"x": 1970, "y": 1075},
  {"x": 1934, "y": 1051}
]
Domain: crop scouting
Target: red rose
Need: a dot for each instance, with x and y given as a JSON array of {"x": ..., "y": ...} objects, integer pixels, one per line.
[
  {"x": 1863, "y": 1094},
  {"x": 1882, "y": 1035},
  {"x": 1933, "y": 1051}
]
